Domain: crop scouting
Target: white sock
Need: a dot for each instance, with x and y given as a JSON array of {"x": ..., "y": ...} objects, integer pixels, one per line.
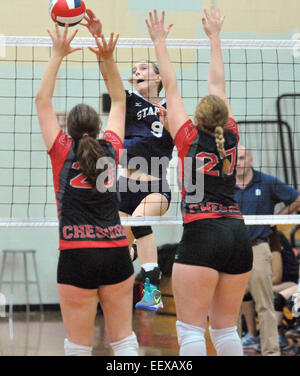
[
  {"x": 149, "y": 266},
  {"x": 71, "y": 349},
  {"x": 226, "y": 341},
  {"x": 191, "y": 339},
  {"x": 126, "y": 347}
]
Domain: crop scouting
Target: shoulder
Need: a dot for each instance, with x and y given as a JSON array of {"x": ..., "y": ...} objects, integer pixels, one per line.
[
  {"x": 112, "y": 138},
  {"x": 232, "y": 127},
  {"x": 186, "y": 133},
  {"x": 107, "y": 148},
  {"x": 267, "y": 178},
  {"x": 231, "y": 138},
  {"x": 114, "y": 142},
  {"x": 131, "y": 94},
  {"x": 61, "y": 143}
]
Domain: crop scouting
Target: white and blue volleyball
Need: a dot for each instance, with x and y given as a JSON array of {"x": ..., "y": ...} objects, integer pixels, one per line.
[{"x": 67, "y": 11}]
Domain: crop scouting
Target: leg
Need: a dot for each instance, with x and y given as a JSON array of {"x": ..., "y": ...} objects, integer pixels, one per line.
[
  {"x": 260, "y": 287},
  {"x": 193, "y": 288},
  {"x": 224, "y": 313},
  {"x": 78, "y": 308},
  {"x": 116, "y": 302},
  {"x": 248, "y": 309},
  {"x": 154, "y": 204},
  {"x": 283, "y": 286},
  {"x": 227, "y": 300}
]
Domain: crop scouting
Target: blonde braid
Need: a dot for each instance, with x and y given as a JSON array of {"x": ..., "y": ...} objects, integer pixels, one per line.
[{"x": 220, "y": 141}]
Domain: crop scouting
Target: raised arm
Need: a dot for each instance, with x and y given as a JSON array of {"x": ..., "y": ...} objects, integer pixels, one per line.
[
  {"x": 177, "y": 115},
  {"x": 212, "y": 24},
  {"x": 43, "y": 101},
  {"x": 116, "y": 119},
  {"x": 94, "y": 25}
]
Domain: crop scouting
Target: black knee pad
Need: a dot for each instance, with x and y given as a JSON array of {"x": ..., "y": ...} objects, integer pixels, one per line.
[
  {"x": 141, "y": 231},
  {"x": 247, "y": 297},
  {"x": 153, "y": 275},
  {"x": 279, "y": 302}
]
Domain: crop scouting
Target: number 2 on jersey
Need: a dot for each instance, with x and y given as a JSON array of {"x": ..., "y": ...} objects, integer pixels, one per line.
[
  {"x": 80, "y": 181},
  {"x": 213, "y": 160}
]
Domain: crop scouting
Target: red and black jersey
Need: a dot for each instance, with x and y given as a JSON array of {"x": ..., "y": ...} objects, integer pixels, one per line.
[
  {"x": 205, "y": 192},
  {"x": 87, "y": 219}
]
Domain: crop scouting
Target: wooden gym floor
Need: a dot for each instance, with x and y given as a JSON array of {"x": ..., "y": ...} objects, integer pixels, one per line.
[{"x": 37, "y": 335}]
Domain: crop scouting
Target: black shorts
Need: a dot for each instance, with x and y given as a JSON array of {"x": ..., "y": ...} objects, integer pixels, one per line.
[
  {"x": 129, "y": 200},
  {"x": 222, "y": 244},
  {"x": 89, "y": 268}
]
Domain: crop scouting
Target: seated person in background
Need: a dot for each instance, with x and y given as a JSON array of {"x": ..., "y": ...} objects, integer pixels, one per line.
[
  {"x": 257, "y": 194},
  {"x": 285, "y": 264},
  {"x": 285, "y": 274}
]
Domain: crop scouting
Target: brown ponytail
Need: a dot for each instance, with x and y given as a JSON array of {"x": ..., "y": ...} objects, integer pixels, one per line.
[
  {"x": 88, "y": 153},
  {"x": 211, "y": 116},
  {"x": 83, "y": 125}
]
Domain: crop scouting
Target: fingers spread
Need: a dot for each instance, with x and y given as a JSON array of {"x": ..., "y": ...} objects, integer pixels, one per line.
[
  {"x": 72, "y": 36},
  {"x": 163, "y": 13},
  {"x": 66, "y": 31},
  {"x": 206, "y": 14},
  {"x": 57, "y": 30},
  {"x": 51, "y": 35},
  {"x": 90, "y": 13},
  {"x": 116, "y": 40},
  {"x": 151, "y": 18},
  {"x": 95, "y": 50}
]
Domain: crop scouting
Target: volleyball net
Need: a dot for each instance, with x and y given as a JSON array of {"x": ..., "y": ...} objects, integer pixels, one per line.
[{"x": 263, "y": 86}]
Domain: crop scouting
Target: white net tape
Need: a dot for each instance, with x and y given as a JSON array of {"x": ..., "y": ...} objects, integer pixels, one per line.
[
  {"x": 154, "y": 221},
  {"x": 147, "y": 43}
]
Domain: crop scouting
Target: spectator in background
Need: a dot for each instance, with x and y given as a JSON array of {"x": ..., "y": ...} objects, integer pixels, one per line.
[
  {"x": 257, "y": 194},
  {"x": 285, "y": 274}
]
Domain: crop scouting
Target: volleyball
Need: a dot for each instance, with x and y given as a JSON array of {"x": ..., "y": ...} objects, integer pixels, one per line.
[{"x": 67, "y": 11}]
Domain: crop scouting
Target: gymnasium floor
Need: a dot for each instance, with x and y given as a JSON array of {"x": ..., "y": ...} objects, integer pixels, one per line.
[{"x": 34, "y": 335}]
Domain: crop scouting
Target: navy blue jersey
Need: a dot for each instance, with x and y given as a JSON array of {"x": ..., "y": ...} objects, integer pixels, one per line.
[{"x": 145, "y": 137}]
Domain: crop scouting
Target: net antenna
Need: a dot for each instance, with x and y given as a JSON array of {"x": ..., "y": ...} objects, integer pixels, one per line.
[{"x": 258, "y": 72}]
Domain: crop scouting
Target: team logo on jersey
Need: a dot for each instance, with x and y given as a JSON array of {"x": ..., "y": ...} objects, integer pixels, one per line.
[{"x": 138, "y": 104}]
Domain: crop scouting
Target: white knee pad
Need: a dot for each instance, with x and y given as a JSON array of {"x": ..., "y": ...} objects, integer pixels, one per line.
[
  {"x": 226, "y": 341},
  {"x": 191, "y": 339},
  {"x": 71, "y": 349},
  {"x": 126, "y": 347}
]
